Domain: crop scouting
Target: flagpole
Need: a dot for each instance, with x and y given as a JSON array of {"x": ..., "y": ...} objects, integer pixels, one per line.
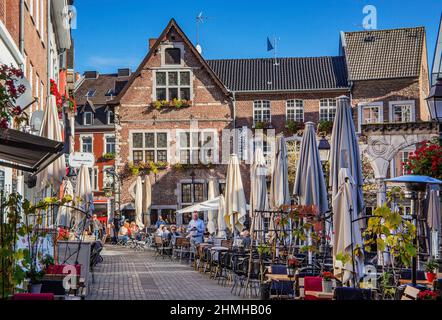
[{"x": 275, "y": 63}]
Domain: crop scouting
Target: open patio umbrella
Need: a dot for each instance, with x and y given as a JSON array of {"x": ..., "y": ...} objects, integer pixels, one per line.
[
  {"x": 235, "y": 207},
  {"x": 279, "y": 187},
  {"x": 433, "y": 218},
  {"x": 347, "y": 233},
  {"x": 344, "y": 151},
  {"x": 258, "y": 192},
  {"x": 212, "y": 193},
  {"x": 54, "y": 173},
  {"x": 65, "y": 214},
  {"x": 221, "y": 225},
  {"x": 147, "y": 199},
  {"x": 139, "y": 203},
  {"x": 309, "y": 182},
  {"x": 83, "y": 194}
]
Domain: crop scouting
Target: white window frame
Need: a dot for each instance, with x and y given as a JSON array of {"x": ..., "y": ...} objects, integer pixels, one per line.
[
  {"x": 167, "y": 86},
  {"x": 105, "y": 175},
  {"x": 84, "y": 118},
  {"x": 328, "y": 107},
  {"x": 298, "y": 105},
  {"x": 363, "y": 105},
  {"x": 143, "y": 149},
  {"x": 258, "y": 106},
  {"x": 105, "y": 142},
  {"x": 82, "y": 136},
  {"x": 411, "y": 103},
  {"x": 95, "y": 184},
  {"x": 214, "y": 148},
  {"x": 393, "y": 168},
  {"x": 175, "y": 45},
  {"x": 108, "y": 116}
]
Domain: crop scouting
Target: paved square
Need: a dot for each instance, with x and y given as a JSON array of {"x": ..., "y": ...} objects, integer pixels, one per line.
[{"x": 128, "y": 275}]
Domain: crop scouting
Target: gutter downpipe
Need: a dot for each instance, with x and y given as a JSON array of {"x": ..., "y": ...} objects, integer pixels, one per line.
[{"x": 22, "y": 27}]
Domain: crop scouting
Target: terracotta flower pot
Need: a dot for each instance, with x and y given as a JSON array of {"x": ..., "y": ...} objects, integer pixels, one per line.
[{"x": 430, "y": 276}]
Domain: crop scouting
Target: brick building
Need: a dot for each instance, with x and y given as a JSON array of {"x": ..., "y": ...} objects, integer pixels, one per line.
[
  {"x": 35, "y": 37},
  {"x": 385, "y": 73},
  {"x": 95, "y": 129}
]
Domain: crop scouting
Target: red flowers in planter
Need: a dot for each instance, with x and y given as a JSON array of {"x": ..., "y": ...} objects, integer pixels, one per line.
[
  {"x": 327, "y": 276},
  {"x": 426, "y": 160},
  {"x": 9, "y": 93},
  {"x": 427, "y": 295},
  {"x": 61, "y": 100}
]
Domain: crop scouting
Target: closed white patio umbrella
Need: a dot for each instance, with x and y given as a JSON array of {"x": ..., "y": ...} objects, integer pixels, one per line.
[
  {"x": 65, "y": 214},
  {"x": 258, "y": 192},
  {"x": 84, "y": 198},
  {"x": 54, "y": 173},
  {"x": 212, "y": 193},
  {"x": 147, "y": 200},
  {"x": 433, "y": 219},
  {"x": 279, "y": 187},
  {"x": 235, "y": 207},
  {"x": 347, "y": 235},
  {"x": 221, "y": 225},
  {"x": 139, "y": 203}
]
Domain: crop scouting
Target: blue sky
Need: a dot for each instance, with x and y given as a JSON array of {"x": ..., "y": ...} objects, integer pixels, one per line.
[{"x": 112, "y": 34}]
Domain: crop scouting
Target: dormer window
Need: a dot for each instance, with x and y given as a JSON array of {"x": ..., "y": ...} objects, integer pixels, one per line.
[
  {"x": 172, "y": 56},
  {"x": 90, "y": 93},
  {"x": 88, "y": 118}
]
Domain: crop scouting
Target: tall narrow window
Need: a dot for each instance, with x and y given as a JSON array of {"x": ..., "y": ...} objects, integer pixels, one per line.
[
  {"x": 110, "y": 117},
  {"x": 88, "y": 118},
  {"x": 295, "y": 110},
  {"x": 2, "y": 180},
  {"x": 327, "y": 109},
  {"x": 261, "y": 111},
  {"x": 86, "y": 144},
  {"x": 110, "y": 144}
]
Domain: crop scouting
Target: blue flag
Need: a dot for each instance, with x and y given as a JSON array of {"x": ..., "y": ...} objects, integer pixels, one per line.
[{"x": 269, "y": 45}]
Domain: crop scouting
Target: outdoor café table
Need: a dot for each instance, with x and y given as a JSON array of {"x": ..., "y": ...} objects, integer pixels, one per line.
[
  {"x": 279, "y": 277},
  {"x": 421, "y": 282}
]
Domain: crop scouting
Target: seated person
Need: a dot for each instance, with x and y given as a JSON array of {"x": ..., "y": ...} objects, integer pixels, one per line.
[
  {"x": 166, "y": 233},
  {"x": 160, "y": 222},
  {"x": 173, "y": 234},
  {"x": 246, "y": 239},
  {"x": 123, "y": 234}
]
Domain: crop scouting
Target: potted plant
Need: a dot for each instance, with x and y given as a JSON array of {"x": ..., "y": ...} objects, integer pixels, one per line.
[
  {"x": 109, "y": 156},
  {"x": 430, "y": 270},
  {"x": 292, "y": 265},
  {"x": 427, "y": 295},
  {"x": 327, "y": 281},
  {"x": 34, "y": 279}
]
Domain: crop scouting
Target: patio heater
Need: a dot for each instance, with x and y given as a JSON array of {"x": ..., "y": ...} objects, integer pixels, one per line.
[
  {"x": 434, "y": 102},
  {"x": 416, "y": 185},
  {"x": 324, "y": 155}
]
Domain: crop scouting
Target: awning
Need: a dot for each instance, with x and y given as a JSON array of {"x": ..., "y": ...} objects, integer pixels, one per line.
[
  {"x": 27, "y": 152},
  {"x": 204, "y": 206}
]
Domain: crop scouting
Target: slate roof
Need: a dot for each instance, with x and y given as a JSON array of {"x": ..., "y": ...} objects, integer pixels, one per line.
[
  {"x": 380, "y": 54},
  {"x": 312, "y": 73},
  {"x": 102, "y": 84}
]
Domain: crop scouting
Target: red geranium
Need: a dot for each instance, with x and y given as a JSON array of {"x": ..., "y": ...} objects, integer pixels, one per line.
[
  {"x": 426, "y": 160},
  {"x": 427, "y": 295},
  {"x": 327, "y": 276}
]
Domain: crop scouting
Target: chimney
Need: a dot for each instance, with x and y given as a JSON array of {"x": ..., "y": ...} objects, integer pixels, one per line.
[{"x": 152, "y": 42}]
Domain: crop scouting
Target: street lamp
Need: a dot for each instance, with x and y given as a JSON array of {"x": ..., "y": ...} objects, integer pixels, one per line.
[
  {"x": 324, "y": 149},
  {"x": 416, "y": 185}
]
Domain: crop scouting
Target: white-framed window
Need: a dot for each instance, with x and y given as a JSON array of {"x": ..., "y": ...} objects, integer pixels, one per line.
[
  {"x": 197, "y": 146},
  {"x": 93, "y": 176},
  {"x": 109, "y": 143},
  {"x": 261, "y": 111},
  {"x": 86, "y": 143},
  {"x": 399, "y": 159},
  {"x": 173, "y": 84},
  {"x": 402, "y": 111},
  {"x": 110, "y": 117},
  {"x": 370, "y": 112},
  {"x": 108, "y": 179},
  {"x": 88, "y": 118},
  {"x": 149, "y": 146},
  {"x": 295, "y": 110},
  {"x": 327, "y": 109}
]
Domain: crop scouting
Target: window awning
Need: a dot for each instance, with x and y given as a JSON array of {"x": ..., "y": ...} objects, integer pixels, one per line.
[{"x": 27, "y": 152}]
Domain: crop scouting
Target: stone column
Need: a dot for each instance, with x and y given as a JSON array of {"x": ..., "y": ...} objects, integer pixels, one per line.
[{"x": 381, "y": 193}]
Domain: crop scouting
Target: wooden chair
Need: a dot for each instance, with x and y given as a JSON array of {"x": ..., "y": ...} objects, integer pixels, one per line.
[
  {"x": 410, "y": 293},
  {"x": 162, "y": 247}
]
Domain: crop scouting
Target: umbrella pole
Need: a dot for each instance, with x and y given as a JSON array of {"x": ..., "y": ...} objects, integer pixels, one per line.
[
  {"x": 249, "y": 271},
  {"x": 355, "y": 284}
]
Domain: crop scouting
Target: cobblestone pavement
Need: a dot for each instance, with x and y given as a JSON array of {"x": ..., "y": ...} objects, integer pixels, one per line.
[{"x": 128, "y": 275}]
